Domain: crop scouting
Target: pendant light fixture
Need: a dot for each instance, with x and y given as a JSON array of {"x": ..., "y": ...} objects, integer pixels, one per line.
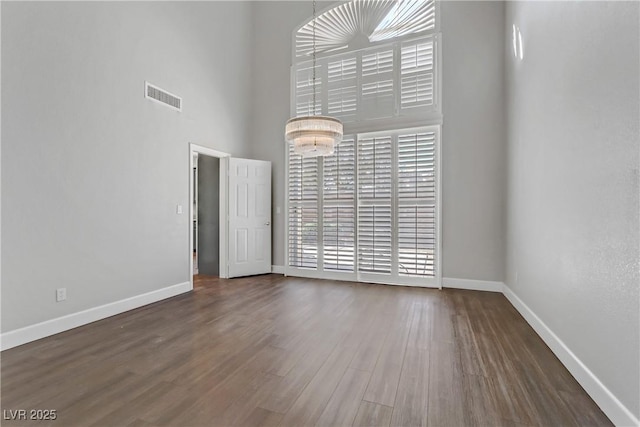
[{"x": 313, "y": 135}]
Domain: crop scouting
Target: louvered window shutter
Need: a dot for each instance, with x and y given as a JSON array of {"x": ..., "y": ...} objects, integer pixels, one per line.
[
  {"x": 416, "y": 202},
  {"x": 395, "y": 82},
  {"x": 338, "y": 207},
  {"x": 378, "y": 92},
  {"x": 303, "y": 210},
  {"x": 342, "y": 88},
  {"x": 417, "y": 74},
  {"x": 304, "y": 89},
  {"x": 374, "y": 204}
]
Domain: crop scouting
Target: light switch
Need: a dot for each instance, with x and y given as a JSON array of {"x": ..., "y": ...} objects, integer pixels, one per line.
[{"x": 179, "y": 209}]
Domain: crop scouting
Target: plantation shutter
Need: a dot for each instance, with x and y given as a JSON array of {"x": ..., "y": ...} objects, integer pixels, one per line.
[
  {"x": 338, "y": 207},
  {"x": 417, "y": 74},
  {"x": 374, "y": 204},
  {"x": 378, "y": 94},
  {"x": 416, "y": 203},
  {"x": 395, "y": 82},
  {"x": 342, "y": 88},
  {"x": 303, "y": 210},
  {"x": 304, "y": 90}
]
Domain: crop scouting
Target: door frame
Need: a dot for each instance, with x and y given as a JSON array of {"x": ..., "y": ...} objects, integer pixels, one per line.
[{"x": 224, "y": 244}]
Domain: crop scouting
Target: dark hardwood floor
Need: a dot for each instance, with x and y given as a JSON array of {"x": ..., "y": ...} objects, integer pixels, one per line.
[{"x": 270, "y": 350}]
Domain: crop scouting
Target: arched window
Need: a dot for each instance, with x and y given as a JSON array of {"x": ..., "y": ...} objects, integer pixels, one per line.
[
  {"x": 369, "y": 212},
  {"x": 347, "y": 25}
]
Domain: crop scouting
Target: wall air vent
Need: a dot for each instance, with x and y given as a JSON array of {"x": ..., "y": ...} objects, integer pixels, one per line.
[{"x": 154, "y": 93}]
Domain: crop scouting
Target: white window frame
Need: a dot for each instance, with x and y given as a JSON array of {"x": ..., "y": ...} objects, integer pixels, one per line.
[
  {"x": 432, "y": 117},
  {"x": 394, "y": 278},
  {"x": 394, "y": 126}
]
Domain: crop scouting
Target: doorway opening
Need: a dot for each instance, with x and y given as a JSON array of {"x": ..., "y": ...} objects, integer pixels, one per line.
[
  {"x": 207, "y": 207},
  {"x": 206, "y": 218}
]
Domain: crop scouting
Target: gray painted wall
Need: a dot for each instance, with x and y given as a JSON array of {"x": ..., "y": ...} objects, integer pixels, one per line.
[
  {"x": 473, "y": 140},
  {"x": 473, "y": 132},
  {"x": 573, "y": 211},
  {"x": 91, "y": 170},
  {"x": 208, "y": 215}
]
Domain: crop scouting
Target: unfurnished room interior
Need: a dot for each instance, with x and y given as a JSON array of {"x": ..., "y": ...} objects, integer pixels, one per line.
[{"x": 301, "y": 213}]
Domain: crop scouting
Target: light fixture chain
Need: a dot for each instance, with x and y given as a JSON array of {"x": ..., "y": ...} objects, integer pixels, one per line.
[
  {"x": 314, "y": 135},
  {"x": 313, "y": 106}
]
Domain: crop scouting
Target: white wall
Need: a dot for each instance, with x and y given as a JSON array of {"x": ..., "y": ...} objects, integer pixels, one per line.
[
  {"x": 473, "y": 132},
  {"x": 91, "y": 171},
  {"x": 473, "y": 140},
  {"x": 573, "y": 210}
]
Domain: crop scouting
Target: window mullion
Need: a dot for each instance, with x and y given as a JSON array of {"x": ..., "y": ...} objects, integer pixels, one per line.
[
  {"x": 359, "y": 111},
  {"x": 356, "y": 267},
  {"x": 394, "y": 206},
  {"x": 397, "y": 91},
  {"x": 320, "y": 232}
]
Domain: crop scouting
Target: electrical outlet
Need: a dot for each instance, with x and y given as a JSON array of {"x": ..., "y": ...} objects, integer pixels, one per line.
[
  {"x": 179, "y": 209},
  {"x": 61, "y": 294}
]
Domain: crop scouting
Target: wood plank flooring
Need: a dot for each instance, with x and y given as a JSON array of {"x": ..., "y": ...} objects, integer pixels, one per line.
[{"x": 276, "y": 351}]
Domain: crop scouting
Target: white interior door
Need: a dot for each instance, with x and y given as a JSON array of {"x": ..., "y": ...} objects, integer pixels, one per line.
[{"x": 249, "y": 217}]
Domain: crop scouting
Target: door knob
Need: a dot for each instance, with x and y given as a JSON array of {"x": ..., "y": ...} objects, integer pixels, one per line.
[{"x": 267, "y": 223}]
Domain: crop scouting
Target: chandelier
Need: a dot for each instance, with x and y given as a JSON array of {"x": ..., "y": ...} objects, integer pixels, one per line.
[{"x": 313, "y": 135}]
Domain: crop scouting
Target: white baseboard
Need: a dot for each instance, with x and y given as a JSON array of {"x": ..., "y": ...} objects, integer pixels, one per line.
[
  {"x": 55, "y": 326},
  {"x": 607, "y": 401},
  {"x": 473, "y": 285},
  {"x": 277, "y": 269}
]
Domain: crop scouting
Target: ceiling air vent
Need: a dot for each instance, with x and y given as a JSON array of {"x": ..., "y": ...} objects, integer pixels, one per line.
[{"x": 154, "y": 93}]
